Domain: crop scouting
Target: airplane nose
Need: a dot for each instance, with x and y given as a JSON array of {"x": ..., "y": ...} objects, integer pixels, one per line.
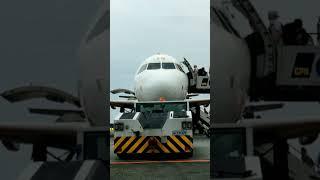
[{"x": 168, "y": 89}]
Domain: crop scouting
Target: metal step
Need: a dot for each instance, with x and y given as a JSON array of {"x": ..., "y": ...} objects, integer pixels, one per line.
[{"x": 204, "y": 121}]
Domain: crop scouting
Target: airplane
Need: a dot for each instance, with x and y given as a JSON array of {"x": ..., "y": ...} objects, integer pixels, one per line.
[
  {"x": 90, "y": 106},
  {"x": 230, "y": 60},
  {"x": 160, "y": 77}
]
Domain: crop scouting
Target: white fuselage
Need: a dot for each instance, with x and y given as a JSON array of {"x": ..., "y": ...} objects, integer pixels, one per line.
[
  {"x": 164, "y": 81},
  {"x": 94, "y": 53},
  {"x": 230, "y": 59}
]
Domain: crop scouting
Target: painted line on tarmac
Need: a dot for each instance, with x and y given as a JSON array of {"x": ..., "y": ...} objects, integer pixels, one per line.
[{"x": 150, "y": 162}]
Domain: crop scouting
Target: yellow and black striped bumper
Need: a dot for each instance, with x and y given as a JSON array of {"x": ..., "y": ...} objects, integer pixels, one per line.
[{"x": 152, "y": 144}]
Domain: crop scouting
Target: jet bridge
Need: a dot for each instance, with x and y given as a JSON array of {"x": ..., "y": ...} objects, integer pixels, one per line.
[{"x": 279, "y": 72}]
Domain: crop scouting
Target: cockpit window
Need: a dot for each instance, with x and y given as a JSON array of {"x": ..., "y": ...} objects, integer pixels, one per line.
[
  {"x": 143, "y": 67},
  {"x": 153, "y": 66},
  {"x": 180, "y": 68},
  {"x": 168, "y": 66}
]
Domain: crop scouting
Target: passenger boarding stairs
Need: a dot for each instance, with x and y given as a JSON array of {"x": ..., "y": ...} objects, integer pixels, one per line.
[
  {"x": 248, "y": 10},
  {"x": 279, "y": 72},
  {"x": 203, "y": 124},
  {"x": 198, "y": 83}
]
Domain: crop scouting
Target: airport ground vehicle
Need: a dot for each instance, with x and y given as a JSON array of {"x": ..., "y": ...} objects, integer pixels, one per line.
[{"x": 155, "y": 129}]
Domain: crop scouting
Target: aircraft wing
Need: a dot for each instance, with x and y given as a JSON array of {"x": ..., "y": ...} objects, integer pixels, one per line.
[
  {"x": 30, "y": 92},
  {"x": 130, "y": 104},
  {"x": 120, "y": 90},
  {"x": 199, "y": 102},
  {"x": 270, "y": 129},
  {"x": 122, "y": 104},
  {"x": 263, "y": 107},
  {"x": 55, "y": 112},
  {"x": 60, "y": 135}
]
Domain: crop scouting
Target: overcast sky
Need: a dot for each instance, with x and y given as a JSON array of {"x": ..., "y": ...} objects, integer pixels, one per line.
[
  {"x": 143, "y": 28},
  {"x": 39, "y": 39}
]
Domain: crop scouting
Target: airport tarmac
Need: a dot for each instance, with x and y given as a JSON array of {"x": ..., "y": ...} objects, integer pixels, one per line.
[{"x": 196, "y": 167}]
